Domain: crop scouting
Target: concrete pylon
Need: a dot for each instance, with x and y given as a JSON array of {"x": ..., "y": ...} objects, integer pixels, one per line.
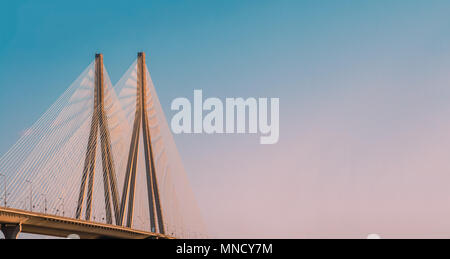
[
  {"x": 99, "y": 126},
  {"x": 11, "y": 231},
  {"x": 141, "y": 122}
]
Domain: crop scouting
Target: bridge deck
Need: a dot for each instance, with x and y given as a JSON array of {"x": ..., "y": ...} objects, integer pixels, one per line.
[{"x": 37, "y": 223}]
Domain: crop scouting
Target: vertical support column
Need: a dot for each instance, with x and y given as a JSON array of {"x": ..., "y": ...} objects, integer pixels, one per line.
[
  {"x": 152, "y": 183},
  {"x": 89, "y": 164},
  {"x": 109, "y": 174},
  {"x": 11, "y": 231},
  {"x": 130, "y": 177},
  {"x": 98, "y": 103},
  {"x": 142, "y": 85},
  {"x": 104, "y": 133},
  {"x": 141, "y": 118},
  {"x": 99, "y": 123}
]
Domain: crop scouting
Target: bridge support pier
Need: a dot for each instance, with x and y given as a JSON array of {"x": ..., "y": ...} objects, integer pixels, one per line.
[{"x": 11, "y": 231}]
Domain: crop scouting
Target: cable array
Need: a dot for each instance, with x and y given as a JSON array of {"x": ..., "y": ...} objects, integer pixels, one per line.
[{"x": 44, "y": 169}]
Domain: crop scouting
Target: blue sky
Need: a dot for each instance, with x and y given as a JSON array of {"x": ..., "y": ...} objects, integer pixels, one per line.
[
  {"x": 355, "y": 78},
  {"x": 227, "y": 48},
  {"x": 190, "y": 44}
]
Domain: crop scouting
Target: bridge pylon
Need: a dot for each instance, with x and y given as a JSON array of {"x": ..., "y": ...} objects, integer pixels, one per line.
[
  {"x": 128, "y": 194},
  {"x": 99, "y": 126}
]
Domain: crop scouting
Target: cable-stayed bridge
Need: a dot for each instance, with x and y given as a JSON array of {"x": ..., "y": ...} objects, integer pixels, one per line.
[{"x": 101, "y": 163}]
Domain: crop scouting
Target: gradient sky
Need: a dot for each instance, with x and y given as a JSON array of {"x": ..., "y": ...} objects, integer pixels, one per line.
[{"x": 363, "y": 86}]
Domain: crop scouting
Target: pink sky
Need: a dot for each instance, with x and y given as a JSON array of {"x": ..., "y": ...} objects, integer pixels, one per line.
[{"x": 370, "y": 158}]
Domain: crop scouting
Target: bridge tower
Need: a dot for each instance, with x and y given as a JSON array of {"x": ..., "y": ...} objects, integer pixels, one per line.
[
  {"x": 141, "y": 122},
  {"x": 99, "y": 126}
]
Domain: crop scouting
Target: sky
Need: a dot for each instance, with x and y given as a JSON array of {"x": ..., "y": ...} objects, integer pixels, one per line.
[{"x": 363, "y": 88}]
